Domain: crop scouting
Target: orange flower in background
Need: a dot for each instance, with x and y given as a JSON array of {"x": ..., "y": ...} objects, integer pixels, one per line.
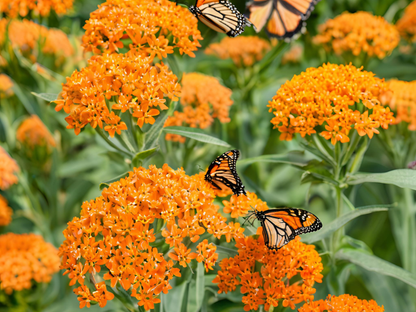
[
  {"x": 6, "y": 86},
  {"x": 293, "y": 55},
  {"x": 32, "y": 132},
  {"x": 116, "y": 229},
  {"x": 5, "y": 212},
  {"x": 343, "y": 303},
  {"x": 339, "y": 97},
  {"x": 129, "y": 80},
  {"x": 402, "y": 101},
  {"x": 27, "y": 36},
  {"x": 295, "y": 262},
  {"x": 243, "y": 50},
  {"x": 141, "y": 21},
  {"x": 407, "y": 24},
  {"x": 356, "y": 33},
  {"x": 203, "y": 99},
  {"x": 23, "y": 258},
  {"x": 8, "y": 169},
  {"x": 14, "y": 8}
]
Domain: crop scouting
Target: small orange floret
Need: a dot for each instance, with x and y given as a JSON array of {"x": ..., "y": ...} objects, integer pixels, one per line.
[
  {"x": 130, "y": 81},
  {"x": 343, "y": 303},
  {"x": 14, "y": 8},
  {"x": 141, "y": 21},
  {"x": 339, "y": 97},
  {"x": 6, "y": 86},
  {"x": 272, "y": 282},
  {"x": 407, "y": 24},
  {"x": 239, "y": 206},
  {"x": 358, "y": 32},
  {"x": 5, "y": 212},
  {"x": 203, "y": 99},
  {"x": 32, "y": 132},
  {"x": 8, "y": 169},
  {"x": 23, "y": 258},
  {"x": 243, "y": 50}
]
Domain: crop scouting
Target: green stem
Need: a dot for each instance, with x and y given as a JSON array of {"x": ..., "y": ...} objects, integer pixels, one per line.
[
  {"x": 408, "y": 231},
  {"x": 337, "y": 234},
  {"x": 101, "y": 133}
]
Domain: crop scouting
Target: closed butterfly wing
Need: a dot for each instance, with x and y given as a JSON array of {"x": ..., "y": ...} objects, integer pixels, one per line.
[{"x": 222, "y": 173}]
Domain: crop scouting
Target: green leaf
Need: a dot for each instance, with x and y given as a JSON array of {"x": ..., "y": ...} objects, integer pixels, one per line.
[
  {"x": 405, "y": 178},
  {"x": 31, "y": 106},
  {"x": 117, "y": 178},
  {"x": 375, "y": 264},
  {"x": 49, "y": 97},
  {"x": 138, "y": 159},
  {"x": 293, "y": 158},
  {"x": 195, "y": 134},
  {"x": 341, "y": 221},
  {"x": 228, "y": 251},
  {"x": 173, "y": 300},
  {"x": 200, "y": 285}
]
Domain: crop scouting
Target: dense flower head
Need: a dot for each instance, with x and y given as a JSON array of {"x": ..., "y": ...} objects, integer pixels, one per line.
[
  {"x": 343, "y": 303},
  {"x": 407, "y": 24},
  {"x": 8, "y": 169},
  {"x": 203, "y": 99},
  {"x": 401, "y": 98},
  {"x": 287, "y": 274},
  {"x": 32, "y": 132},
  {"x": 243, "y": 50},
  {"x": 358, "y": 32},
  {"x": 5, "y": 212},
  {"x": 6, "y": 85},
  {"x": 27, "y": 36},
  {"x": 117, "y": 83},
  {"x": 23, "y": 258},
  {"x": 339, "y": 97},
  {"x": 154, "y": 26},
  {"x": 239, "y": 206},
  {"x": 14, "y": 8},
  {"x": 119, "y": 230}
]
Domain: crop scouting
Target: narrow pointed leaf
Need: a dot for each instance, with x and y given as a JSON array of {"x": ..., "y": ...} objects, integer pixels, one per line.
[
  {"x": 195, "y": 134},
  {"x": 49, "y": 97},
  {"x": 405, "y": 178}
]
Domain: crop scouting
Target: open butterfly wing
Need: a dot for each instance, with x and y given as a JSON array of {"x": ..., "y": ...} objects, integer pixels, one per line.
[{"x": 259, "y": 12}]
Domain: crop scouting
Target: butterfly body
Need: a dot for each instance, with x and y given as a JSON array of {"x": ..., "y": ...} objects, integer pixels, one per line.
[
  {"x": 222, "y": 173},
  {"x": 284, "y": 18},
  {"x": 281, "y": 225},
  {"x": 221, "y": 16}
]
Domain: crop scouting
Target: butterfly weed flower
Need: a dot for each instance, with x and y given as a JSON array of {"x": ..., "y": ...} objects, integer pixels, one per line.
[
  {"x": 8, "y": 169},
  {"x": 116, "y": 234},
  {"x": 239, "y": 206},
  {"x": 6, "y": 86},
  {"x": 5, "y": 212},
  {"x": 330, "y": 100},
  {"x": 114, "y": 83},
  {"x": 32, "y": 132},
  {"x": 342, "y": 303},
  {"x": 243, "y": 50},
  {"x": 14, "y": 8},
  {"x": 356, "y": 33},
  {"x": 203, "y": 99},
  {"x": 156, "y": 27},
  {"x": 266, "y": 277},
  {"x": 407, "y": 23},
  {"x": 25, "y": 258},
  {"x": 293, "y": 55}
]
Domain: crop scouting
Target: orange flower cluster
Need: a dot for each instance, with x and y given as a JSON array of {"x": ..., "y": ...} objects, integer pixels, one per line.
[
  {"x": 6, "y": 85},
  {"x": 358, "y": 32},
  {"x": 407, "y": 24},
  {"x": 129, "y": 80},
  {"x": 27, "y": 35},
  {"x": 296, "y": 261},
  {"x": 402, "y": 100},
  {"x": 5, "y": 212},
  {"x": 117, "y": 229},
  {"x": 203, "y": 99},
  {"x": 239, "y": 206},
  {"x": 343, "y": 303},
  {"x": 23, "y": 258},
  {"x": 8, "y": 168},
  {"x": 154, "y": 26},
  {"x": 341, "y": 97},
  {"x": 243, "y": 50},
  {"x": 14, "y": 8},
  {"x": 32, "y": 132}
]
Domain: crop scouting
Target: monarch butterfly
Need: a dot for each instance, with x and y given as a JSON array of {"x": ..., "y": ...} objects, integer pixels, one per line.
[
  {"x": 222, "y": 173},
  {"x": 281, "y": 225},
  {"x": 285, "y": 17},
  {"x": 221, "y": 16}
]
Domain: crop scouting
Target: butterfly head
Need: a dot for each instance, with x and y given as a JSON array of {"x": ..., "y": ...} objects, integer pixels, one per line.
[{"x": 194, "y": 10}]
